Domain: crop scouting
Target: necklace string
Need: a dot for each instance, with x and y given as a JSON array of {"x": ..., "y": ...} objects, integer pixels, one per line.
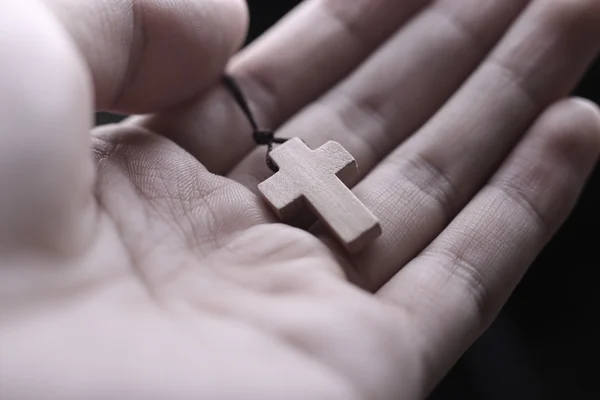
[{"x": 262, "y": 137}]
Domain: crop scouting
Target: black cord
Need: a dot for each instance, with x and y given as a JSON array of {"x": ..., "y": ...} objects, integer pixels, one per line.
[{"x": 262, "y": 137}]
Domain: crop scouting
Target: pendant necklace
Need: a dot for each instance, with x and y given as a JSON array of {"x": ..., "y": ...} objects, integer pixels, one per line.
[{"x": 314, "y": 178}]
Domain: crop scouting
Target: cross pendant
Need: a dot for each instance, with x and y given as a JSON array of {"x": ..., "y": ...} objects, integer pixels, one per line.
[{"x": 315, "y": 178}]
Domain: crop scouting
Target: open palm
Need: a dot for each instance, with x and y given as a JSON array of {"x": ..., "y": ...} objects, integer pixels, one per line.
[{"x": 151, "y": 270}]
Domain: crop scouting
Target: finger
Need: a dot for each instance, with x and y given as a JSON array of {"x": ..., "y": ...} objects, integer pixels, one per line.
[
  {"x": 46, "y": 165},
  {"x": 419, "y": 188},
  {"x": 146, "y": 56},
  {"x": 294, "y": 63},
  {"x": 399, "y": 88},
  {"x": 451, "y": 292},
  {"x": 45, "y": 116}
]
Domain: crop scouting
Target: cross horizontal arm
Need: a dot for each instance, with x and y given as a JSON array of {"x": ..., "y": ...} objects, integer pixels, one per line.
[
  {"x": 282, "y": 194},
  {"x": 337, "y": 161}
]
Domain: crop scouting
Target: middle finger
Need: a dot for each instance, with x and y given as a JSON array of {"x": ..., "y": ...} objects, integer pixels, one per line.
[{"x": 308, "y": 51}]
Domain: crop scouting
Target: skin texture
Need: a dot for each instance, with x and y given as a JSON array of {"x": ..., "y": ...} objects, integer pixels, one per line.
[{"x": 147, "y": 268}]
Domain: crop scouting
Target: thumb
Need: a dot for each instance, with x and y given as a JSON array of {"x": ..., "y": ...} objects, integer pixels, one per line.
[
  {"x": 141, "y": 56},
  {"x": 146, "y": 56}
]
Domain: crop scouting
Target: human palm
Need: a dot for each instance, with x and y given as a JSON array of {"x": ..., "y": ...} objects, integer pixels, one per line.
[{"x": 152, "y": 270}]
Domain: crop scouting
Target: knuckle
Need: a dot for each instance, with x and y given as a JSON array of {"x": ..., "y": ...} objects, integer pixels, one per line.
[
  {"x": 349, "y": 17},
  {"x": 469, "y": 280},
  {"x": 476, "y": 289},
  {"x": 432, "y": 179},
  {"x": 518, "y": 192},
  {"x": 357, "y": 17}
]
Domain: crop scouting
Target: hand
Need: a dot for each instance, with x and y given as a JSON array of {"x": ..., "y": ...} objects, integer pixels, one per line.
[{"x": 150, "y": 269}]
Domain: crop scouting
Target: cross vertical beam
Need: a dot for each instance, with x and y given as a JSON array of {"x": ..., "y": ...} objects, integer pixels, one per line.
[{"x": 315, "y": 178}]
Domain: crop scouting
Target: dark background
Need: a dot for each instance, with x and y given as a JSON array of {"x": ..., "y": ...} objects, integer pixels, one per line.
[{"x": 544, "y": 344}]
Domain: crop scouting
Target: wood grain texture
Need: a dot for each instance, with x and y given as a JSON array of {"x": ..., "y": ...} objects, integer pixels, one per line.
[{"x": 315, "y": 178}]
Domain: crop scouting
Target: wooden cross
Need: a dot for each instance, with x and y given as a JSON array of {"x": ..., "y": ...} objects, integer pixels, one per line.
[{"x": 315, "y": 178}]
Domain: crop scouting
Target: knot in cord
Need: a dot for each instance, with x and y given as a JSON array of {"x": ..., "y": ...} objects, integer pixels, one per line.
[{"x": 262, "y": 137}]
